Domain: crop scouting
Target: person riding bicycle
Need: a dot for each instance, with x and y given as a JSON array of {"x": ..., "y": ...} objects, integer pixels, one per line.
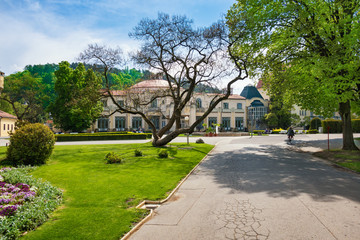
[{"x": 290, "y": 133}]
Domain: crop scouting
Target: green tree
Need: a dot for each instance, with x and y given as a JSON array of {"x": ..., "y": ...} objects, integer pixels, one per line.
[
  {"x": 77, "y": 102},
  {"x": 25, "y": 94},
  {"x": 309, "y": 49},
  {"x": 271, "y": 120}
]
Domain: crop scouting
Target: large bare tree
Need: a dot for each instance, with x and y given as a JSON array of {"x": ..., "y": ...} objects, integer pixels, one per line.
[{"x": 186, "y": 57}]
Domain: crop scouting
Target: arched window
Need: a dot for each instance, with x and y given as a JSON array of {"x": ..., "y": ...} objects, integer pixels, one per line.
[{"x": 198, "y": 103}]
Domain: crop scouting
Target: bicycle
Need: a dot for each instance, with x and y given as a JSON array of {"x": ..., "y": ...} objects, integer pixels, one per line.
[{"x": 290, "y": 139}]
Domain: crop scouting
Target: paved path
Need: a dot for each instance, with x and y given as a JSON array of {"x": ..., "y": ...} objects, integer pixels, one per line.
[{"x": 258, "y": 189}]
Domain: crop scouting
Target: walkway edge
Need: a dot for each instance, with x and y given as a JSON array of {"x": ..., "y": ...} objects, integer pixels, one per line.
[{"x": 137, "y": 226}]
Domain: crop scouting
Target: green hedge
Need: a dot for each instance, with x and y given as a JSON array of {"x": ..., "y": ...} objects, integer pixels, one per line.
[
  {"x": 355, "y": 123},
  {"x": 312, "y": 131},
  {"x": 259, "y": 131},
  {"x": 101, "y": 136},
  {"x": 336, "y": 125}
]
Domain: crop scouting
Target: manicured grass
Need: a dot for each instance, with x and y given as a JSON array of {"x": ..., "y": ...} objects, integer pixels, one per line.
[
  {"x": 99, "y": 198},
  {"x": 348, "y": 159}
]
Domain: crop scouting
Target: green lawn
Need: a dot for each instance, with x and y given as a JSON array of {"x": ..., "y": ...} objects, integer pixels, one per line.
[{"x": 100, "y": 199}]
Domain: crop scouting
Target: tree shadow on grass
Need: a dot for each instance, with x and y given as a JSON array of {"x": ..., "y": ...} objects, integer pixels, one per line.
[{"x": 280, "y": 173}]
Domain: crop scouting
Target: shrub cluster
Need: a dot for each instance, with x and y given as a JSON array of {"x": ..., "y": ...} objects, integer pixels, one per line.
[
  {"x": 112, "y": 157},
  {"x": 138, "y": 153},
  {"x": 31, "y": 144},
  {"x": 100, "y": 136},
  {"x": 32, "y": 212},
  {"x": 163, "y": 153}
]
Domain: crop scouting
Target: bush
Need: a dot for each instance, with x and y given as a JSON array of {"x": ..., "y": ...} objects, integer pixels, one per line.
[
  {"x": 312, "y": 131},
  {"x": 315, "y": 123},
  {"x": 199, "y": 140},
  {"x": 335, "y": 126},
  {"x": 112, "y": 157},
  {"x": 138, "y": 153},
  {"x": 355, "y": 123},
  {"x": 163, "y": 153},
  {"x": 32, "y": 144}
]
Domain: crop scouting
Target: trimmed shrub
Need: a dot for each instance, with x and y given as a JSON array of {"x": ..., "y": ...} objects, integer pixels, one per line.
[
  {"x": 335, "y": 126},
  {"x": 163, "y": 153},
  {"x": 199, "y": 140},
  {"x": 315, "y": 123},
  {"x": 112, "y": 157},
  {"x": 32, "y": 144},
  {"x": 312, "y": 131},
  {"x": 138, "y": 153}
]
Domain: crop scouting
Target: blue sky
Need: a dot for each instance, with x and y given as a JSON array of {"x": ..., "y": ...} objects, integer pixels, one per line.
[{"x": 50, "y": 31}]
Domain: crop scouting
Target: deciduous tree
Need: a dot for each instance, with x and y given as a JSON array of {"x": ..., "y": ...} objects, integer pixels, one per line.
[
  {"x": 77, "y": 102},
  {"x": 182, "y": 55},
  {"x": 308, "y": 49}
]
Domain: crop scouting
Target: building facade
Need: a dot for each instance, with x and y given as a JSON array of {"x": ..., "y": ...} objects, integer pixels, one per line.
[
  {"x": 7, "y": 123},
  {"x": 231, "y": 114}
]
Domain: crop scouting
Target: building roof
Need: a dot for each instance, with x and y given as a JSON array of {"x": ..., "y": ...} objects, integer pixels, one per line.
[
  {"x": 250, "y": 92},
  {"x": 155, "y": 83},
  {"x": 232, "y": 96},
  {"x": 6, "y": 115}
]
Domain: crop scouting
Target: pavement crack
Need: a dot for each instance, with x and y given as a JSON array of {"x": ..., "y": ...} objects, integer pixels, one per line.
[{"x": 239, "y": 219}]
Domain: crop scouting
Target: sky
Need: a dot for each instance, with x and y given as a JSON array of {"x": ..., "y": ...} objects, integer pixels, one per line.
[{"x": 51, "y": 31}]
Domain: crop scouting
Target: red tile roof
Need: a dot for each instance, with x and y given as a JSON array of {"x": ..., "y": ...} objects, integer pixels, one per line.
[{"x": 6, "y": 115}]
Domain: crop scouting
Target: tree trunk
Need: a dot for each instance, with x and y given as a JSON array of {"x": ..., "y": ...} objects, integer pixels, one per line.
[{"x": 348, "y": 138}]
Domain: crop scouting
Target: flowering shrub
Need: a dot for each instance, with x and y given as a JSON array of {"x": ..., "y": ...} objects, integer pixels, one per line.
[{"x": 25, "y": 202}]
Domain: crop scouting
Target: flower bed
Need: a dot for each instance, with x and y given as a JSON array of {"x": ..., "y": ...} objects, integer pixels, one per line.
[{"x": 25, "y": 202}]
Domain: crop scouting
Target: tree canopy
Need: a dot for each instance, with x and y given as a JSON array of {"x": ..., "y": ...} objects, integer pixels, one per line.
[
  {"x": 77, "y": 102},
  {"x": 308, "y": 49},
  {"x": 25, "y": 94},
  {"x": 185, "y": 57}
]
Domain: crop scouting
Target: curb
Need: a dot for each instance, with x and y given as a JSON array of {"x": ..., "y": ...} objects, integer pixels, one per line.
[{"x": 143, "y": 203}]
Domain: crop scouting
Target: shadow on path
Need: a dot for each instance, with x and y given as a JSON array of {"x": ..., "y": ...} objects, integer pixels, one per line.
[{"x": 280, "y": 173}]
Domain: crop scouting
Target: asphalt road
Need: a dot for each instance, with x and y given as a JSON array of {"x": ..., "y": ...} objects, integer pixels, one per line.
[{"x": 260, "y": 188}]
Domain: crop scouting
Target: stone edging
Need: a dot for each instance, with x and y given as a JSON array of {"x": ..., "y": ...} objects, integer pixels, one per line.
[{"x": 143, "y": 203}]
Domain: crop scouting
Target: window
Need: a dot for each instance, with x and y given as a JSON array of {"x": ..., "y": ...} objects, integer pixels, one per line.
[
  {"x": 226, "y": 105},
  {"x": 4, "y": 126},
  {"x": 120, "y": 123},
  {"x": 8, "y": 126},
  {"x": 239, "y": 123},
  {"x": 104, "y": 102},
  {"x": 103, "y": 124},
  {"x": 239, "y": 105},
  {"x": 212, "y": 120},
  {"x": 121, "y": 103},
  {"x": 198, "y": 103},
  {"x": 136, "y": 122},
  {"x": 156, "y": 121},
  {"x": 154, "y": 103},
  {"x": 226, "y": 123},
  {"x": 200, "y": 125}
]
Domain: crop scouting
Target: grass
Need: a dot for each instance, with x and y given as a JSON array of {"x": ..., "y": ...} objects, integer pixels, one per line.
[
  {"x": 347, "y": 159},
  {"x": 99, "y": 198}
]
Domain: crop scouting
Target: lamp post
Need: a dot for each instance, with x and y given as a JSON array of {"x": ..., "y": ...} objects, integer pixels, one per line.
[{"x": 187, "y": 124}]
